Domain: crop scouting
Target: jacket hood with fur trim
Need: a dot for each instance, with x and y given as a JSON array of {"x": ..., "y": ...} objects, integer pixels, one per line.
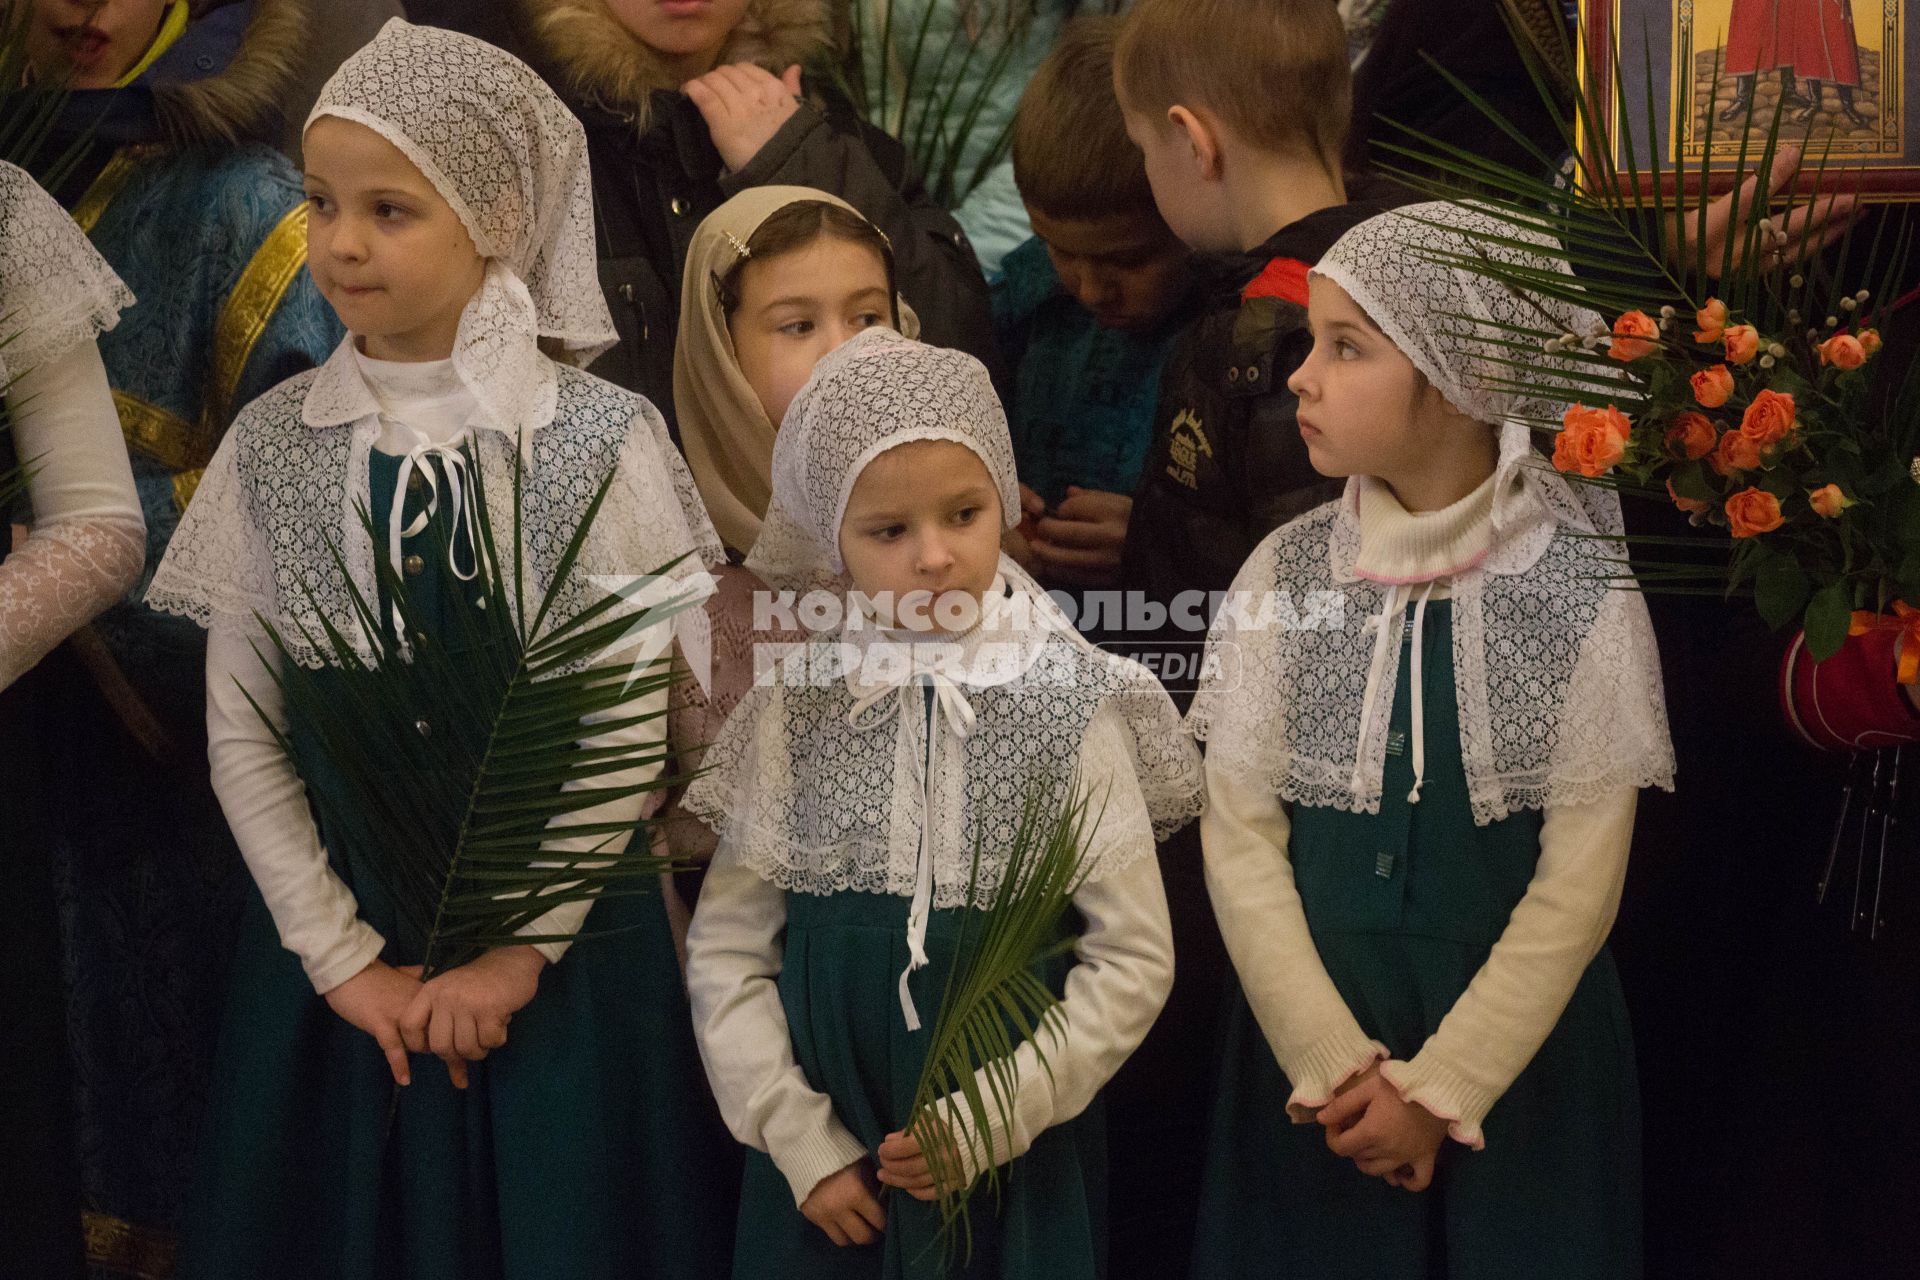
[
  {"x": 245, "y": 97},
  {"x": 604, "y": 64},
  {"x": 225, "y": 81}
]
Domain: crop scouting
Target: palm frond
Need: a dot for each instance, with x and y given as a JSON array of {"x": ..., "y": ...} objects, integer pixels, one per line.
[
  {"x": 995, "y": 1000},
  {"x": 459, "y": 749},
  {"x": 932, "y": 89}
]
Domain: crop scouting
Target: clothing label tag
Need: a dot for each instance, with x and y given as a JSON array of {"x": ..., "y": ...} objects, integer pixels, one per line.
[
  {"x": 1383, "y": 865},
  {"x": 1396, "y": 742}
]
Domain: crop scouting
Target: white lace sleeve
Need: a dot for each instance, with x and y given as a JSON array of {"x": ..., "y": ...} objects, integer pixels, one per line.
[
  {"x": 218, "y": 569},
  {"x": 56, "y": 291},
  {"x": 88, "y": 541},
  {"x": 749, "y": 743},
  {"x": 1125, "y": 833},
  {"x": 652, "y": 453}
]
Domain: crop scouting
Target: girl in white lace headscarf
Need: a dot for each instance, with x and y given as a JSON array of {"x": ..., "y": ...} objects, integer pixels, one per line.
[
  {"x": 1427, "y": 718},
  {"x": 87, "y": 540},
  {"x": 452, "y": 227},
  {"x": 851, "y": 793}
]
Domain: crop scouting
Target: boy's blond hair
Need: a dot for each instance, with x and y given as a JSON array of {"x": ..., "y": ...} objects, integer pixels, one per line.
[
  {"x": 1071, "y": 154},
  {"x": 1274, "y": 71}
]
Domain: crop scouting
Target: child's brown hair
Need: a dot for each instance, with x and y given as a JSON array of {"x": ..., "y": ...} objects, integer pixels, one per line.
[
  {"x": 1071, "y": 154},
  {"x": 794, "y": 227},
  {"x": 1275, "y": 72}
]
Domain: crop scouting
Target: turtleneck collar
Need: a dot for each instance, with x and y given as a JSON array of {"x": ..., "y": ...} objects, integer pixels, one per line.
[
  {"x": 426, "y": 396},
  {"x": 1398, "y": 546}
]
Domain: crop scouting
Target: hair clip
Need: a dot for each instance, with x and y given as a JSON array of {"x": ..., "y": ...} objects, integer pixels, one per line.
[{"x": 739, "y": 245}]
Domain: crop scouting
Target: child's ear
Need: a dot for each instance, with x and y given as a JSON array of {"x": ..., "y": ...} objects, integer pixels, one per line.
[{"x": 1200, "y": 132}]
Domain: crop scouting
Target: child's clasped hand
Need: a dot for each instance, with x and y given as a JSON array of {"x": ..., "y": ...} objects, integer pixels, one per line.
[{"x": 1384, "y": 1135}]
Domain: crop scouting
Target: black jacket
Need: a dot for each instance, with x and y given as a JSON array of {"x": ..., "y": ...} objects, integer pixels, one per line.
[
  {"x": 652, "y": 189},
  {"x": 1227, "y": 466}
]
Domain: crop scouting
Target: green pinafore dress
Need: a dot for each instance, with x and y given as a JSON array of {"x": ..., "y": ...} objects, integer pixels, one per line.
[
  {"x": 838, "y": 986},
  {"x": 587, "y": 1146},
  {"x": 1404, "y": 907}
]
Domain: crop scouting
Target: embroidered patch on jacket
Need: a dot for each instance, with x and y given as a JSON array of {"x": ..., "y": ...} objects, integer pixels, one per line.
[{"x": 1187, "y": 445}]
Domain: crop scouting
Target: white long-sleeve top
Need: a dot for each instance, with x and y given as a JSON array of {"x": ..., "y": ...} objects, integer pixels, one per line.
[
  {"x": 87, "y": 542},
  {"x": 1497, "y": 1024},
  {"x": 1122, "y": 974},
  {"x": 1519, "y": 993},
  {"x": 262, "y": 795}
]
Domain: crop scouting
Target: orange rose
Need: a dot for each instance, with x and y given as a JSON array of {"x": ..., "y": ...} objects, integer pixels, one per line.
[
  {"x": 1691, "y": 435},
  {"x": 1751, "y": 512},
  {"x": 1843, "y": 351},
  {"x": 1591, "y": 440},
  {"x": 1869, "y": 340},
  {"x": 1743, "y": 343},
  {"x": 1692, "y": 506},
  {"x": 1712, "y": 320},
  {"x": 1711, "y": 387},
  {"x": 1736, "y": 453},
  {"x": 1828, "y": 501},
  {"x": 1634, "y": 335},
  {"x": 1769, "y": 419}
]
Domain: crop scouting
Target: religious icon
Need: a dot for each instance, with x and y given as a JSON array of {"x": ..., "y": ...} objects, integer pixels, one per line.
[{"x": 1830, "y": 75}]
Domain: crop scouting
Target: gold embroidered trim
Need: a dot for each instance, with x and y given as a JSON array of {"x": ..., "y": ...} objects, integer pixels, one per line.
[
  {"x": 185, "y": 485},
  {"x": 112, "y": 180},
  {"x": 161, "y": 435},
  {"x": 249, "y": 308}
]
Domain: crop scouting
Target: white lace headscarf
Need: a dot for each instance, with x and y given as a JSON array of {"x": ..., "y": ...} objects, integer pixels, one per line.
[
  {"x": 56, "y": 291},
  {"x": 1556, "y": 673},
  {"x": 1402, "y": 269},
  {"x": 873, "y": 393},
  {"x": 503, "y": 150}
]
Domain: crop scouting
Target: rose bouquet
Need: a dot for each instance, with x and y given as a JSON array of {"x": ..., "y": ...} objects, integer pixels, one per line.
[{"x": 1771, "y": 437}]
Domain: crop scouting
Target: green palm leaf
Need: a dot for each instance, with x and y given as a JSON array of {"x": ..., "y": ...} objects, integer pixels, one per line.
[
  {"x": 460, "y": 748},
  {"x": 995, "y": 1000},
  {"x": 932, "y": 88}
]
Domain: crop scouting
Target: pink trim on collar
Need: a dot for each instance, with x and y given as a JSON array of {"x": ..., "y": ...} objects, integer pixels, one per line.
[{"x": 1426, "y": 577}]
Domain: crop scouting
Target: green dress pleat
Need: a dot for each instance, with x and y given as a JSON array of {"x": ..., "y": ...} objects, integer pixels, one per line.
[
  {"x": 844, "y": 953},
  {"x": 587, "y": 1146},
  {"x": 1404, "y": 906}
]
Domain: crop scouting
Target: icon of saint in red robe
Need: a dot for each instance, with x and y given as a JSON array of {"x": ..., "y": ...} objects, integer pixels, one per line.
[{"x": 1811, "y": 38}]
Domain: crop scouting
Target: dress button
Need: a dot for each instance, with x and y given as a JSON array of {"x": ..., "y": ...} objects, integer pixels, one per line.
[
  {"x": 414, "y": 566},
  {"x": 626, "y": 293},
  {"x": 1253, "y": 373},
  {"x": 416, "y": 482},
  {"x": 679, "y": 207},
  {"x": 1233, "y": 373}
]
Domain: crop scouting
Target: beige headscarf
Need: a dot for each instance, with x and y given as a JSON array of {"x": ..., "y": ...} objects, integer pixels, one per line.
[{"x": 724, "y": 431}]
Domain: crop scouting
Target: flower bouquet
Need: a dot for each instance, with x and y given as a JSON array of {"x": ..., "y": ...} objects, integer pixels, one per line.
[{"x": 1736, "y": 374}]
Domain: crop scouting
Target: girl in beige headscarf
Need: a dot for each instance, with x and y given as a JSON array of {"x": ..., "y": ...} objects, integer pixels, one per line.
[{"x": 776, "y": 278}]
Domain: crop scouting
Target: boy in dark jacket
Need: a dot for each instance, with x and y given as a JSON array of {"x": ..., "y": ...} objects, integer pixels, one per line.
[
  {"x": 1241, "y": 109},
  {"x": 687, "y": 106},
  {"x": 1086, "y": 313}
]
